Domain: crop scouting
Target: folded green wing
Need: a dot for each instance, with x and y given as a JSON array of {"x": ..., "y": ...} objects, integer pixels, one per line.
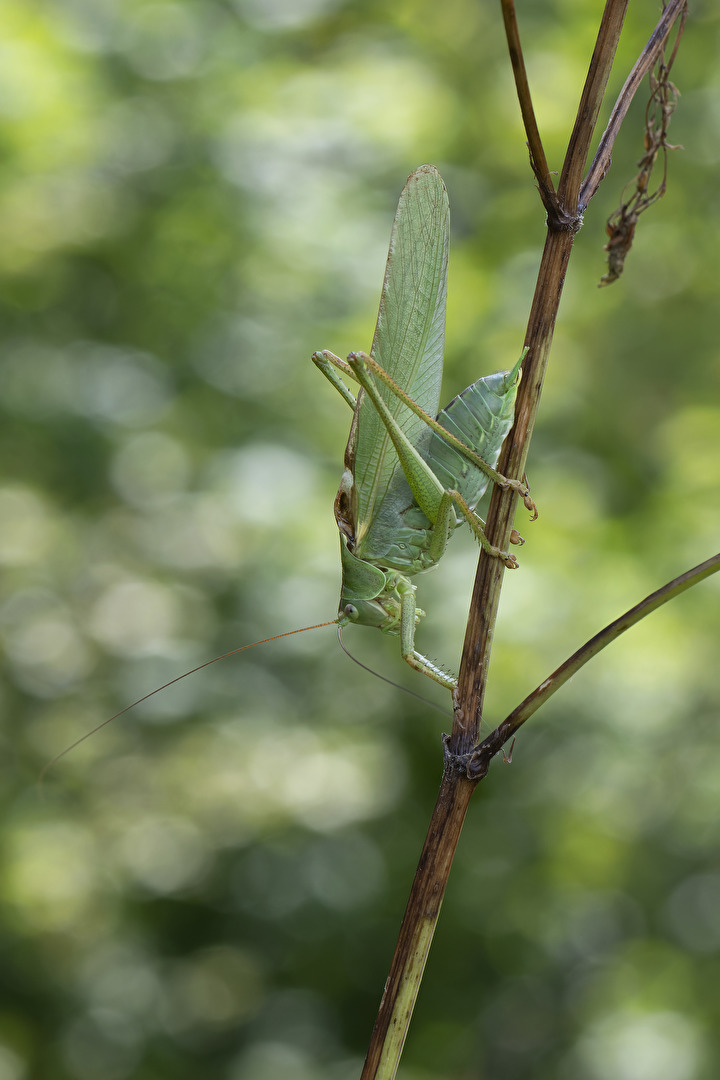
[{"x": 409, "y": 339}]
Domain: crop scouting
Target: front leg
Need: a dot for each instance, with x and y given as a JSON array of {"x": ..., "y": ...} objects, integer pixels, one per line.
[
  {"x": 407, "y": 640},
  {"x": 329, "y": 364}
]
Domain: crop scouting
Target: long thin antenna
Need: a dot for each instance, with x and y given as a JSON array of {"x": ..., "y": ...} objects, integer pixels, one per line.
[{"x": 224, "y": 656}]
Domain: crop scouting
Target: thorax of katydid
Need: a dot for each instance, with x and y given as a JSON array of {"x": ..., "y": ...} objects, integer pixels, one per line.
[{"x": 399, "y": 537}]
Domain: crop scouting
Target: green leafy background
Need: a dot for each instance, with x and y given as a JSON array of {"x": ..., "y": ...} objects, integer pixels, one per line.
[{"x": 195, "y": 195}]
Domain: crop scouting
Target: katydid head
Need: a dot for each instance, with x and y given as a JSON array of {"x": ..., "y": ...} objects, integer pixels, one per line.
[{"x": 383, "y": 613}]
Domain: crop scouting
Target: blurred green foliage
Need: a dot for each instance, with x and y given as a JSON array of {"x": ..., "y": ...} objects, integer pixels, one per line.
[{"x": 196, "y": 195}]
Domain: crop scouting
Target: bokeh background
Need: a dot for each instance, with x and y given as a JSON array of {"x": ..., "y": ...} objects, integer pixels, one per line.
[{"x": 195, "y": 195}]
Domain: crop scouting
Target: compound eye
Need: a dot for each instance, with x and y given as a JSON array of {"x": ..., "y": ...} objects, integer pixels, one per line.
[{"x": 351, "y": 612}]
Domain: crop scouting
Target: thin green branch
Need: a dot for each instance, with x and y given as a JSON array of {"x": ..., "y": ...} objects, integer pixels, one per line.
[{"x": 478, "y": 761}]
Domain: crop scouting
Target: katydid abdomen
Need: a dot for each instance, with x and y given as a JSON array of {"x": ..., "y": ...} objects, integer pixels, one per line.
[{"x": 480, "y": 417}]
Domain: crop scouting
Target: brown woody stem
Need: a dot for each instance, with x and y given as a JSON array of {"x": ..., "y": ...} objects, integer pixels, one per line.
[{"x": 456, "y": 788}]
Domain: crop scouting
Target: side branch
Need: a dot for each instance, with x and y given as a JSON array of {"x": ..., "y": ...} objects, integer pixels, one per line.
[
  {"x": 476, "y": 763},
  {"x": 646, "y": 61},
  {"x": 538, "y": 160},
  {"x": 589, "y": 108}
]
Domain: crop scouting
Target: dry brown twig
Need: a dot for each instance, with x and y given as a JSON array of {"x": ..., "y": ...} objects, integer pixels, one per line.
[{"x": 621, "y": 224}]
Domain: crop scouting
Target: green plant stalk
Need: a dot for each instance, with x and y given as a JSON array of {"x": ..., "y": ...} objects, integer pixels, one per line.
[{"x": 418, "y": 927}]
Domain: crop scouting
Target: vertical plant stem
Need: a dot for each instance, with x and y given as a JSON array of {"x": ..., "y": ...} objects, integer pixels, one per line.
[
  {"x": 486, "y": 596},
  {"x": 592, "y": 96},
  {"x": 418, "y": 927},
  {"x": 456, "y": 789},
  {"x": 562, "y": 226}
]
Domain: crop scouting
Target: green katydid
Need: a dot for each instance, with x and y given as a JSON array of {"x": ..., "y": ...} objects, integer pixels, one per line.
[{"x": 410, "y": 479}]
